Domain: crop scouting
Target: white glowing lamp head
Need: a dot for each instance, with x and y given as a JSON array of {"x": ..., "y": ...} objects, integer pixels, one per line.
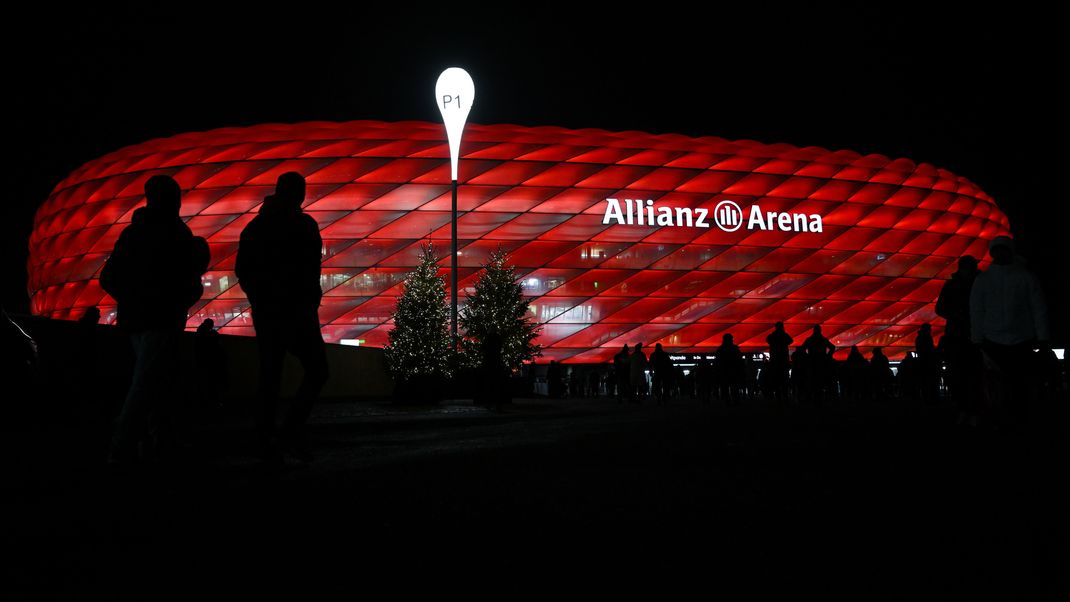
[{"x": 454, "y": 93}]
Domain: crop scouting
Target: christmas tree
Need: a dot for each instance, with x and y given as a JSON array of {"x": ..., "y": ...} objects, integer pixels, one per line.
[
  {"x": 497, "y": 313},
  {"x": 419, "y": 344}
]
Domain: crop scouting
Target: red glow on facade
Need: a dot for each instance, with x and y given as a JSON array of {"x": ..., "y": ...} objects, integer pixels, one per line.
[{"x": 891, "y": 230}]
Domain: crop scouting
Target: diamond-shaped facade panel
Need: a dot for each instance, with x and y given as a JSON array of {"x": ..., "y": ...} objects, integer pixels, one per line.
[{"x": 617, "y": 237}]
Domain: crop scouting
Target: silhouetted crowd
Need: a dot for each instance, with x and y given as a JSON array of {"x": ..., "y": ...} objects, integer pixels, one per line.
[
  {"x": 994, "y": 359},
  {"x": 809, "y": 376}
]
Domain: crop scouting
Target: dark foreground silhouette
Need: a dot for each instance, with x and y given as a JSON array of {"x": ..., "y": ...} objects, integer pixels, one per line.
[
  {"x": 278, "y": 267},
  {"x": 154, "y": 274}
]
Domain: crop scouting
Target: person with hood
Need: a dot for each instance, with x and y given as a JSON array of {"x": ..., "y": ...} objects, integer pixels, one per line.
[
  {"x": 154, "y": 274},
  {"x": 278, "y": 267}
]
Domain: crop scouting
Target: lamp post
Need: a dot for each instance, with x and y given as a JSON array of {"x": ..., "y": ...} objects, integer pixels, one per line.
[{"x": 454, "y": 94}]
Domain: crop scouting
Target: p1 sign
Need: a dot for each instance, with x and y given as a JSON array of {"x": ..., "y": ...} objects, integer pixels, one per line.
[{"x": 454, "y": 93}]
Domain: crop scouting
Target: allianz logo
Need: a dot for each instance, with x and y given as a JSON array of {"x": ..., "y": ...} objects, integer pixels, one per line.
[{"x": 726, "y": 215}]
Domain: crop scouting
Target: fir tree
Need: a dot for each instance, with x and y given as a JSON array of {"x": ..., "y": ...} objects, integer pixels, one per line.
[
  {"x": 419, "y": 344},
  {"x": 498, "y": 310}
]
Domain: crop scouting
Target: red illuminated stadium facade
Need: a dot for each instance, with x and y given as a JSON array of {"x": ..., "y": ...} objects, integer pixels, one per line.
[{"x": 603, "y": 227}]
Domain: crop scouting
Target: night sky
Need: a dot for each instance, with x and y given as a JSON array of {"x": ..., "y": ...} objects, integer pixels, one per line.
[{"x": 970, "y": 92}]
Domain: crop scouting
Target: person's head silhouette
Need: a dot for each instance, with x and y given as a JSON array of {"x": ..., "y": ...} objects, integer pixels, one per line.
[
  {"x": 290, "y": 189},
  {"x": 91, "y": 316},
  {"x": 779, "y": 327},
  {"x": 163, "y": 194},
  {"x": 1002, "y": 250},
  {"x": 967, "y": 264}
]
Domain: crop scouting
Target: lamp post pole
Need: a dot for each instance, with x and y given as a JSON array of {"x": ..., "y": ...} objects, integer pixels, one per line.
[
  {"x": 453, "y": 264},
  {"x": 454, "y": 94}
]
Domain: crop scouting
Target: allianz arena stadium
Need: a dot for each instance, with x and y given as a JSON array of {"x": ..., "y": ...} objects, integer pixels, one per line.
[{"x": 617, "y": 237}]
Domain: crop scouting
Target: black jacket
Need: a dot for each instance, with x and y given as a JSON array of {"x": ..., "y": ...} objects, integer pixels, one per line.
[
  {"x": 154, "y": 271},
  {"x": 278, "y": 264},
  {"x": 954, "y": 305}
]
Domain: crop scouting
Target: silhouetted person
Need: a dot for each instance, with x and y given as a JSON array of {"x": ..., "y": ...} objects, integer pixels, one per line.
[
  {"x": 91, "y": 316},
  {"x": 776, "y": 370},
  {"x": 494, "y": 374},
  {"x": 278, "y": 267},
  {"x": 594, "y": 383},
  {"x": 856, "y": 375},
  {"x": 555, "y": 385},
  {"x": 750, "y": 377},
  {"x": 731, "y": 372},
  {"x": 661, "y": 365},
  {"x": 154, "y": 274},
  {"x": 637, "y": 364},
  {"x": 881, "y": 372},
  {"x": 682, "y": 383},
  {"x": 928, "y": 367},
  {"x": 210, "y": 364},
  {"x": 704, "y": 379},
  {"x": 963, "y": 357},
  {"x": 622, "y": 373},
  {"x": 909, "y": 377},
  {"x": 1008, "y": 317},
  {"x": 819, "y": 363}
]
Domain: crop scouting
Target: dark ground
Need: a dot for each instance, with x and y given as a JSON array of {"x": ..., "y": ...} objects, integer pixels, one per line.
[{"x": 874, "y": 501}]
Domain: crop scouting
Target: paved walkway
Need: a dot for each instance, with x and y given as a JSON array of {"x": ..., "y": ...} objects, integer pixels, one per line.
[{"x": 880, "y": 501}]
